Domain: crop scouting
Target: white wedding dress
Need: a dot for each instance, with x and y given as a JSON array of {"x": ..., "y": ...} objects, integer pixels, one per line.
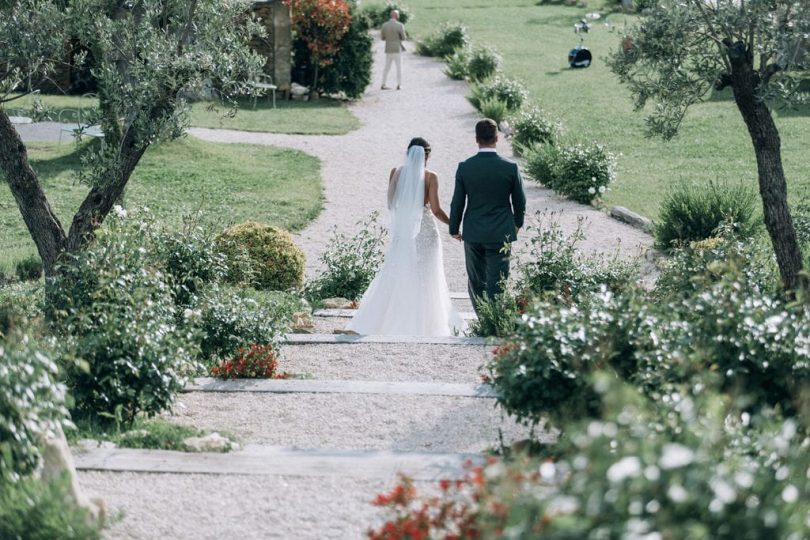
[{"x": 409, "y": 295}]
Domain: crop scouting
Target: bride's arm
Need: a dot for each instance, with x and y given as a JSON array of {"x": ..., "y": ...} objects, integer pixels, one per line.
[
  {"x": 433, "y": 199},
  {"x": 392, "y": 187}
]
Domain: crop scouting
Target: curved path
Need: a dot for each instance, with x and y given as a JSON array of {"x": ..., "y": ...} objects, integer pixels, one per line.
[{"x": 355, "y": 166}]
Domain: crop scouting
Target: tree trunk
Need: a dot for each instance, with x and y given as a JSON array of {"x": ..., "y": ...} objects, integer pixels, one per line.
[
  {"x": 39, "y": 217},
  {"x": 772, "y": 183}
]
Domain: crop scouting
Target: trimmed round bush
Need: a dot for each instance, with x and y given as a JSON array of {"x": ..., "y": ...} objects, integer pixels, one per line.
[
  {"x": 510, "y": 91},
  {"x": 278, "y": 264},
  {"x": 693, "y": 212},
  {"x": 531, "y": 127},
  {"x": 580, "y": 172},
  {"x": 29, "y": 269},
  {"x": 483, "y": 63},
  {"x": 448, "y": 39}
]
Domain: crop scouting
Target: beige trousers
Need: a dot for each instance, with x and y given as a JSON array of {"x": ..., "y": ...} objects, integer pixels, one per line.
[{"x": 392, "y": 57}]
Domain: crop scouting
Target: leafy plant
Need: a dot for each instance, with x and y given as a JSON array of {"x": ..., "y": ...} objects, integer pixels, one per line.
[
  {"x": 580, "y": 172},
  {"x": 278, "y": 264},
  {"x": 157, "y": 434},
  {"x": 693, "y": 212},
  {"x": 510, "y": 91},
  {"x": 350, "y": 263},
  {"x": 483, "y": 63},
  {"x": 456, "y": 64},
  {"x": 35, "y": 510},
  {"x": 29, "y": 269},
  {"x": 532, "y": 127},
  {"x": 252, "y": 362},
  {"x": 32, "y": 403},
  {"x": 380, "y": 14},
  {"x": 449, "y": 38},
  {"x": 496, "y": 316},
  {"x": 494, "y": 109}
]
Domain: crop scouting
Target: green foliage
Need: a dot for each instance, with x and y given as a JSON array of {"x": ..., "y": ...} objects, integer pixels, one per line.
[
  {"x": 115, "y": 313},
  {"x": 278, "y": 264},
  {"x": 457, "y": 64},
  {"x": 350, "y": 71},
  {"x": 580, "y": 172},
  {"x": 33, "y": 510},
  {"x": 379, "y": 14},
  {"x": 157, "y": 434},
  {"x": 32, "y": 403},
  {"x": 253, "y": 362},
  {"x": 229, "y": 319},
  {"x": 483, "y": 63},
  {"x": 532, "y": 127},
  {"x": 694, "y": 212},
  {"x": 29, "y": 269},
  {"x": 510, "y": 91},
  {"x": 449, "y": 38},
  {"x": 495, "y": 316},
  {"x": 494, "y": 109},
  {"x": 350, "y": 263}
]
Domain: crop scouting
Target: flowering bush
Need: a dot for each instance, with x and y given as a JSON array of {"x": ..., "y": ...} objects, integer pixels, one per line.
[
  {"x": 510, "y": 91},
  {"x": 449, "y": 38},
  {"x": 580, "y": 172},
  {"x": 483, "y": 62},
  {"x": 350, "y": 263},
  {"x": 254, "y": 362},
  {"x": 320, "y": 24},
  {"x": 531, "y": 127}
]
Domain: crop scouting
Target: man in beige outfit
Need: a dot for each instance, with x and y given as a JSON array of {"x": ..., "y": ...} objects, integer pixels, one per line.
[{"x": 393, "y": 33}]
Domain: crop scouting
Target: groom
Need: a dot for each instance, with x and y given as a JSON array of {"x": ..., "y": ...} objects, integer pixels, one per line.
[{"x": 489, "y": 195}]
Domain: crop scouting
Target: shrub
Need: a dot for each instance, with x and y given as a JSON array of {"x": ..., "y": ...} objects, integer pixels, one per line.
[
  {"x": 494, "y": 109},
  {"x": 29, "y": 269},
  {"x": 278, "y": 262},
  {"x": 380, "y": 14},
  {"x": 496, "y": 316},
  {"x": 253, "y": 362},
  {"x": 693, "y": 212},
  {"x": 449, "y": 38},
  {"x": 532, "y": 127},
  {"x": 31, "y": 405},
  {"x": 456, "y": 65},
  {"x": 483, "y": 63},
  {"x": 115, "y": 313},
  {"x": 231, "y": 319},
  {"x": 33, "y": 510},
  {"x": 510, "y": 91},
  {"x": 580, "y": 172},
  {"x": 350, "y": 263},
  {"x": 157, "y": 434},
  {"x": 350, "y": 71}
]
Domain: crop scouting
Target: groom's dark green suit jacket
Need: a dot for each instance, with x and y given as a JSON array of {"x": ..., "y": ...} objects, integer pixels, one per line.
[{"x": 489, "y": 195}]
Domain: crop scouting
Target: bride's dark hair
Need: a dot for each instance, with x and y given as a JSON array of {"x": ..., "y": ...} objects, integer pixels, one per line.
[{"x": 419, "y": 141}]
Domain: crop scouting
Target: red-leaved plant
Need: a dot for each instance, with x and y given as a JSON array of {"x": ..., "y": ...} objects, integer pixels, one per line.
[{"x": 252, "y": 362}]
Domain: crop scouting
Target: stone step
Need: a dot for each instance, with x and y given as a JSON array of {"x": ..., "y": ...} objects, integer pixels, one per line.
[
  {"x": 459, "y": 296},
  {"x": 349, "y": 313},
  {"x": 311, "y": 386},
  {"x": 274, "y": 460},
  {"x": 307, "y": 339}
]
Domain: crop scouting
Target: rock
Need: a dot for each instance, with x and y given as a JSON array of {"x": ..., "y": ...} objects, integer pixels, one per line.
[
  {"x": 298, "y": 92},
  {"x": 302, "y": 322},
  {"x": 213, "y": 442},
  {"x": 631, "y": 218},
  {"x": 57, "y": 462},
  {"x": 505, "y": 128},
  {"x": 338, "y": 303}
]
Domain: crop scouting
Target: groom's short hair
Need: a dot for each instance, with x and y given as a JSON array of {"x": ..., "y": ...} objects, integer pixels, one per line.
[{"x": 486, "y": 131}]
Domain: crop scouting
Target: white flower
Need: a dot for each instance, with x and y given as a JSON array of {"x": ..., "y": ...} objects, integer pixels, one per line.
[
  {"x": 677, "y": 493},
  {"x": 790, "y": 494},
  {"x": 602, "y": 189},
  {"x": 119, "y": 211},
  {"x": 627, "y": 467},
  {"x": 676, "y": 455},
  {"x": 591, "y": 190}
]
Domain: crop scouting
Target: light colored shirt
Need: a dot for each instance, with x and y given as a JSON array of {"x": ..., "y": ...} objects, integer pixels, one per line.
[
  {"x": 393, "y": 33},
  {"x": 487, "y": 150}
]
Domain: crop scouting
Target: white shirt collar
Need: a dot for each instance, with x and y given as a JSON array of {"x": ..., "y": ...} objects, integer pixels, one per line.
[{"x": 487, "y": 150}]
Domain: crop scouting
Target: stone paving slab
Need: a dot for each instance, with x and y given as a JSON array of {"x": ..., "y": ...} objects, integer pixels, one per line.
[
  {"x": 304, "y": 339},
  {"x": 349, "y": 313},
  {"x": 290, "y": 386},
  {"x": 271, "y": 460}
]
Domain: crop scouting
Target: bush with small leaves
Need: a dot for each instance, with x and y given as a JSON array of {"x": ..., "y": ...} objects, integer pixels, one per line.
[
  {"x": 32, "y": 404},
  {"x": 278, "y": 264},
  {"x": 510, "y": 91},
  {"x": 350, "y": 263},
  {"x": 379, "y": 14},
  {"x": 29, "y": 269},
  {"x": 449, "y": 38},
  {"x": 483, "y": 63},
  {"x": 494, "y": 109},
  {"x": 581, "y": 172},
  {"x": 496, "y": 316},
  {"x": 532, "y": 127},
  {"x": 542, "y": 162},
  {"x": 252, "y": 362},
  {"x": 693, "y": 212},
  {"x": 456, "y": 64}
]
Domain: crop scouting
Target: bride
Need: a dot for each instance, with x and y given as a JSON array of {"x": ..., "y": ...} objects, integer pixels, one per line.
[{"x": 409, "y": 295}]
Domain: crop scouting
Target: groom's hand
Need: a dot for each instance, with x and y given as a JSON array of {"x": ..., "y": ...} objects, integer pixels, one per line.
[{"x": 458, "y": 237}]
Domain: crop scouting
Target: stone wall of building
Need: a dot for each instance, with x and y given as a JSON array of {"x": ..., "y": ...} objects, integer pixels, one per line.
[{"x": 276, "y": 45}]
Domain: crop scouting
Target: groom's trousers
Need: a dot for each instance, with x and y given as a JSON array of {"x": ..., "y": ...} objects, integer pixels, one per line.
[{"x": 487, "y": 269}]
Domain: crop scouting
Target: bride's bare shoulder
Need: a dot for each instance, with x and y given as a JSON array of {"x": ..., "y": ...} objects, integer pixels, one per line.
[{"x": 431, "y": 175}]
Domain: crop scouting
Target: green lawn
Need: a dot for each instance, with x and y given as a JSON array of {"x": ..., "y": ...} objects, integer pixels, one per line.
[
  {"x": 228, "y": 183},
  {"x": 535, "y": 39},
  {"x": 324, "y": 116}
]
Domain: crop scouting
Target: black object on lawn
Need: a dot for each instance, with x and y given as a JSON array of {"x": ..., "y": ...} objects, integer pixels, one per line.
[{"x": 579, "y": 57}]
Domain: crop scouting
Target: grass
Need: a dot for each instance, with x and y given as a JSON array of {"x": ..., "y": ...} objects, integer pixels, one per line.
[
  {"x": 321, "y": 117},
  {"x": 152, "y": 434},
  {"x": 228, "y": 183},
  {"x": 713, "y": 144}
]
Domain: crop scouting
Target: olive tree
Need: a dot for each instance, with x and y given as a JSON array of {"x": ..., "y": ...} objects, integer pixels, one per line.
[
  {"x": 148, "y": 57},
  {"x": 682, "y": 49}
]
